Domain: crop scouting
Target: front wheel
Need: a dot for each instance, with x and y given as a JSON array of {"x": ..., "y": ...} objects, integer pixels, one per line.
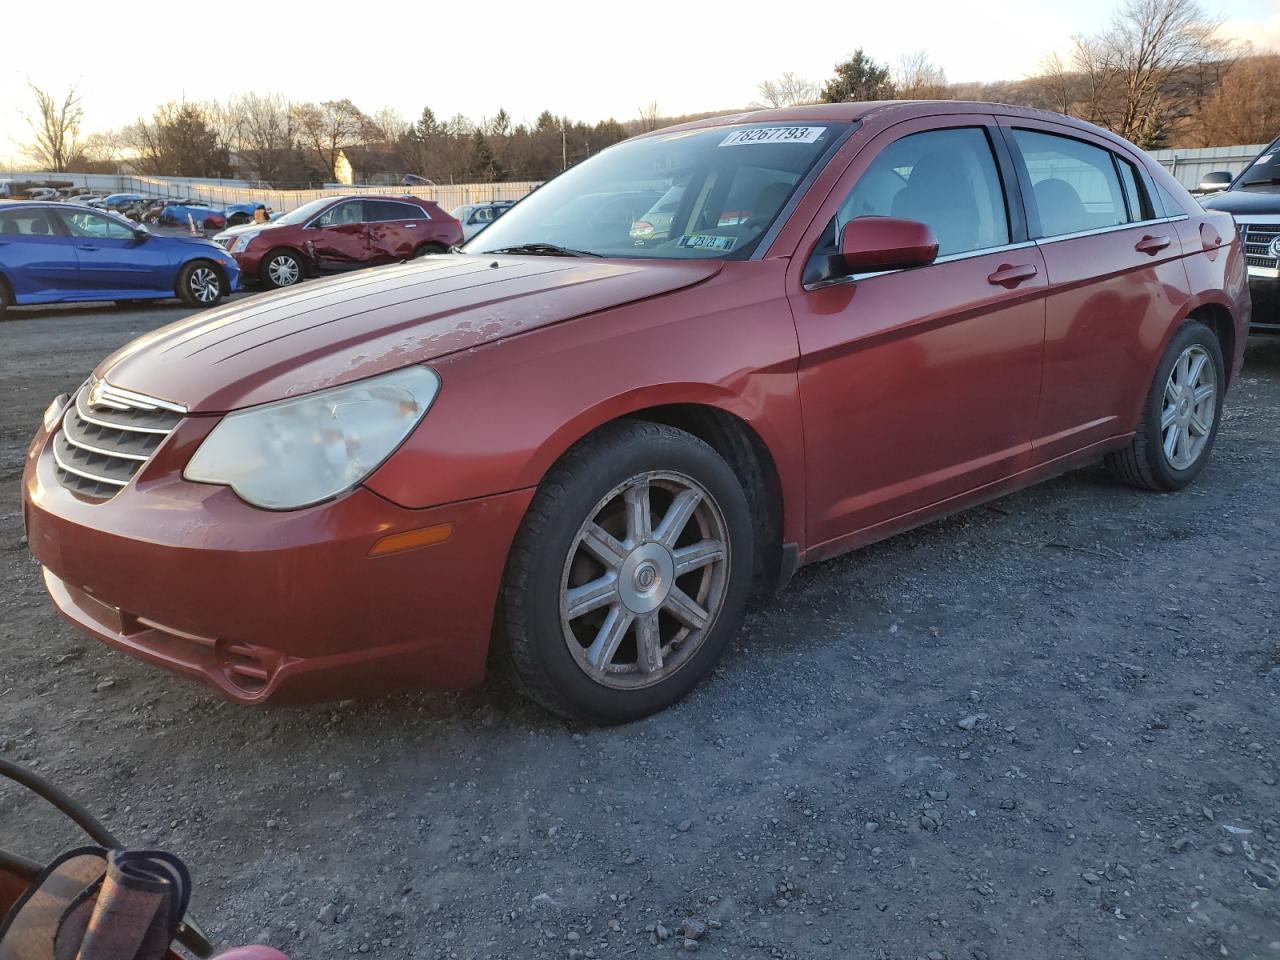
[
  {"x": 629, "y": 575},
  {"x": 201, "y": 285},
  {"x": 1180, "y": 418},
  {"x": 280, "y": 269}
]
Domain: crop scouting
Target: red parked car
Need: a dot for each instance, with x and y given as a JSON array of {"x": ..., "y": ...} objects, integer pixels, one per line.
[
  {"x": 336, "y": 234},
  {"x": 593, "y": 446}
]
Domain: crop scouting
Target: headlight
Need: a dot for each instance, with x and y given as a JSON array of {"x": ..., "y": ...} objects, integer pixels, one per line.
[
  {"x": 242, "y": 241},
  {"x": 294, "y": 453}
]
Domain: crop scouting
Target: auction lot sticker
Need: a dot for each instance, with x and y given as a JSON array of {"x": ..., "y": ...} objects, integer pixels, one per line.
[
  {"x": 707, "y": 241},
  {"x": 773, "y": 135}
]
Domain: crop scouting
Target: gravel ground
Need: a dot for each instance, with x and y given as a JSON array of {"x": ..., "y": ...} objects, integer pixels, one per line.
[{"x": 1044, "y": 728}]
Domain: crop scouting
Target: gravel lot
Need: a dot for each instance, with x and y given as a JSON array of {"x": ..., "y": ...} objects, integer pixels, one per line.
[{"x": 1044, "y": 728}]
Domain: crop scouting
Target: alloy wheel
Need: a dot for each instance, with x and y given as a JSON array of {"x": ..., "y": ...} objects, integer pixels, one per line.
[
  {"x": 644, "y": 580},
  {"x": 283, "y": 271},
  {"x": 1189, "y": 407},
  {"x": 205, "y": 285}
]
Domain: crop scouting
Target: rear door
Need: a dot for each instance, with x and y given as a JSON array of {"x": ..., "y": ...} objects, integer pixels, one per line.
[
  {"x": 1115, "y": 280},
  {"x": 396, "y": 229},
  {"x": 918, "y": 385},
  {"x": 338, "y": 239},
  {"x": 38, "y": 260}
]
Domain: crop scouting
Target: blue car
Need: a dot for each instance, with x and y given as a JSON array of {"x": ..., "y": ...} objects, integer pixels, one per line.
[{"x": 60, "y": 253}]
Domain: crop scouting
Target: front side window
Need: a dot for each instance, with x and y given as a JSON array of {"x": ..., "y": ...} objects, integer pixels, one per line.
[
  {"x": 705, "y": 193},
  {"x": 350, "y": 211},
  {"x": 1074, "y": 185},
  {"x": 95, "y": 226},
  {"x": 944, "y": 178}
]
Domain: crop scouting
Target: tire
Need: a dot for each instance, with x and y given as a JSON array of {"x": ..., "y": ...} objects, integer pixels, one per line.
[
  {"x": 201, "y": 284},
  {"x": 5, "y": 298},
  {"x": 281, "y": 268},
  {"x": 1168, "y": 457},
  {"x": 429, "y": 250},
  {"x": 551, "y": 648}
]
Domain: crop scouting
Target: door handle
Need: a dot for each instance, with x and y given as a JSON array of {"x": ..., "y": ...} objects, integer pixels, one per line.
[
  {"x": 1009, "y": 275},
  {"x": 1152, "y": 245},
  {"x": 411, "y": 226},
  {"x": 85, "y": 246}
]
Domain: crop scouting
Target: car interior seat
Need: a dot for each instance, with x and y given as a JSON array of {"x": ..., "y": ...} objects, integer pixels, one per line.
[
  {"x": 938, "y": 193},
  {"x": 1060, "y": 206}
]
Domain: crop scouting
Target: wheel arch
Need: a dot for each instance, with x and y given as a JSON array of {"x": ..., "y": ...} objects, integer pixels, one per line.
[
  {"x": 733, "y": 436},
  {"x": 186, "y": 264},
  {"x": 1218, "y": 318}
]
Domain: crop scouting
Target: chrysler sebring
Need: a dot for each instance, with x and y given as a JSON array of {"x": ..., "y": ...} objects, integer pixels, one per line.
[{"x": 576, "y": 448}]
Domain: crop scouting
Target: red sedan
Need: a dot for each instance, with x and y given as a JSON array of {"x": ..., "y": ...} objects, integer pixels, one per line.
[
  {"x": 589, "y": 446},
  {"x": 337, "y": 234}
]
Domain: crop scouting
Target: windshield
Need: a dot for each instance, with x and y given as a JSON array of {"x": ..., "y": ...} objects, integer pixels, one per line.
[
  {"x": 705, "y": 193},
  {"x": 1265, "y": 169},
  {"x": 305, "y": 212}
]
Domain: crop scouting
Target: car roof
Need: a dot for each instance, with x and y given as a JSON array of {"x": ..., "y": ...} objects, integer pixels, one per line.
[{"x": 904, "y": 110}]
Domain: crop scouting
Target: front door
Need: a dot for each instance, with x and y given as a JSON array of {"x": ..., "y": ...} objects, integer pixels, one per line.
[
  {"x": 339, "y": 238},
  {"x": 114, "y": 260},
  {"x": 1115, "y": 278},
  {"x": 919, "y": 385}
]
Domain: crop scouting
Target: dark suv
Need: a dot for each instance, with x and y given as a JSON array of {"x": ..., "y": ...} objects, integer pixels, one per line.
[{"x": 1253, "y": 198}]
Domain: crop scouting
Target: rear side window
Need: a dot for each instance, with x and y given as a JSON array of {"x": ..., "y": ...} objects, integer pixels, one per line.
[
  {"x": 945, "y": 178},
  {"x": 25, "y": 223},
  {"x": 1074, "y": 185},
  {"x": 1134, "y": 194},
  {"x": 386, "y": 210}
]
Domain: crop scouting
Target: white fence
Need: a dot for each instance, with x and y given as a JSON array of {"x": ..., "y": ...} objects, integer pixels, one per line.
[
  {"x": 1189, "y": 166},
  {"x": 219, "y": 193}
]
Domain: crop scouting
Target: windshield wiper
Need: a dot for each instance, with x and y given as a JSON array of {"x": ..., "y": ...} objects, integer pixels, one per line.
[{"x": 545, "y": 250}]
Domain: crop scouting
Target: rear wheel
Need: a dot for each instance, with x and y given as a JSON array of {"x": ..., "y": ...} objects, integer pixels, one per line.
[
  {"x": 429, "y": 249},
  {"x": 629, "y": 575},
  {"x": 200, "y": 284},
  {"x": 1180, "y": 418},
  {"x": 5, "y": 299},
  {"x": 280, "y": 268}
]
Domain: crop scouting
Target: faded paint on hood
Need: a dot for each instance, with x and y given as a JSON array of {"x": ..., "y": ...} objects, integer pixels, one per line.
[{"x": 330, "y": 332}]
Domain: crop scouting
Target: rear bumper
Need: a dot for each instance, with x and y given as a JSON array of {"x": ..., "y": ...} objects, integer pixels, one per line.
[{"x": 267, "y": 606}]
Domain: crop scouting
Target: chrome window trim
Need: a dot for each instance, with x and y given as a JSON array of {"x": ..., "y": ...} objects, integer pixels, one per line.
[
  {"x": 1056, "y": 238},
  {"x": 948, "y": 258}
]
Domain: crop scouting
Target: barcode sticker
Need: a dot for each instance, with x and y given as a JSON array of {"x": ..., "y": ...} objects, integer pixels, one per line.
[{"x": 773, "y": 135}]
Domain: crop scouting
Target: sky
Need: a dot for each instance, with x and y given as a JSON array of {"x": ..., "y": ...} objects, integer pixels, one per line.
[{"x": 586, "y": 60}]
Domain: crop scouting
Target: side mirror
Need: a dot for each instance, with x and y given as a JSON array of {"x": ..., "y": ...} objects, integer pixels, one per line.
[
  {"x": 141, "y": 232},
  {"x": 872, "y": 244},
  {"x": 1218, "y": 180}
]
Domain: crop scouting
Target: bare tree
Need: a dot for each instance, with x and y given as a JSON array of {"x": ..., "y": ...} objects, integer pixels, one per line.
[
  {"x": 649, "y": 118},
  {"x": 55, "y": 125},
  {"x": 390, "y": 124},
  {"x": 1133, "y": 76},
  {"x": 1058, "y": 86},
  {"x": 916, "y": 77},
  {"x": 788, "y": 90},
  {"x": 103, "y": 149},
  {"x": 324, "y": 129},
  {"x": 1245, "y": 107},
  {"x": 264, "y": 132}
]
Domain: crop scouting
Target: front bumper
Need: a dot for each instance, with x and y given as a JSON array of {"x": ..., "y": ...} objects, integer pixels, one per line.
[
  {"x": 267, "y": 606},
  {"x": 1264, "y": 291}
]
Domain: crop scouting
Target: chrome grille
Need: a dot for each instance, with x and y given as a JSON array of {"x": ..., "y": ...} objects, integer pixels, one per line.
[
  {"x": 1257, "y": 243},
  {"x": 107, "y": 435}
]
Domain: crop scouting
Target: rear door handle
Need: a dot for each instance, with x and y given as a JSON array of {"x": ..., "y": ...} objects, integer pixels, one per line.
[
  {"x": 85, "y": 246},
  {"x": 1009, "y": 275},
  {"x": 1152, "y": 245},
  {"x": 411, "y": 226}
]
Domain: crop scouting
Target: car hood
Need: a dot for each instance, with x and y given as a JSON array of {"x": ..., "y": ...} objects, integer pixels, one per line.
[
  {"x": 322, "y": 334},
  {"x": 1252, "y": 201},
  {"x": 247, "y": 228}
]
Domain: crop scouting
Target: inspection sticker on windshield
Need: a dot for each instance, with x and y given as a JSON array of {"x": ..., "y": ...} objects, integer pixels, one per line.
[
  {"x": 707, "y": 241},
  {"x": 773, "y": 135}
]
